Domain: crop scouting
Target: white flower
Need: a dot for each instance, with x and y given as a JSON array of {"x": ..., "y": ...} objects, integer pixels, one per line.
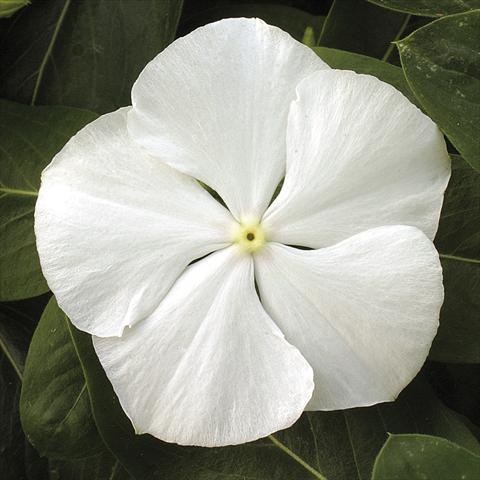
[{"x": 195, "y": 356}]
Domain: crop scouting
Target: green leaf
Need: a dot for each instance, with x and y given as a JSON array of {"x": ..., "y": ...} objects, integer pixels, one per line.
[
  {"x": 362, "y": 28},
  {"x": 457, "y": 241},
  {"x": 9, "y": 7},
  {"x": 457, "y": 337},
  {"x": 344, "y": 444},
  {"x": 17, "y": 458},
  {"x": 429, "y": 8},
  {"x": 55, "y": 404},
  {"x": 292, "y": 20},
  {"x": 17, "y": 324},
  {"x": 362, "y": 64},
  {"x": 11, "y": 340},
  {"x": 99, "y": 467},
  {"x": 459, "y": 385},
  {"x": 11, "y": 437},
  {"x": 84, "y": 54},
  {"x": 442, "y": 66},
  {"x": 458, "y": 233},
  {"x": 29, "y": 138},
  {"x": 424, "y": 457}
]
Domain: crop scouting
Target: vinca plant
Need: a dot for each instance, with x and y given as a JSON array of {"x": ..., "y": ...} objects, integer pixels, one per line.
[{"x": 240, "y": 240}]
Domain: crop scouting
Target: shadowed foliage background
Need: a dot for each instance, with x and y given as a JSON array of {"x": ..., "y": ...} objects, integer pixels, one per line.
[{"x": 63, "y": 63}]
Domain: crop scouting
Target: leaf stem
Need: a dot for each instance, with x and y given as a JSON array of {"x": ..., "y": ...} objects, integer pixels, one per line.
[
  {"x": 6, "y": 351},
  {"x": 15, "y": 191},
  {"x": 41, "y": 70},
  {"x": 302, "y": 462},
  {"x": 397, "y": 37},
  {"x": 322, "y": 31},
  {"x": 459, "y": 259}
]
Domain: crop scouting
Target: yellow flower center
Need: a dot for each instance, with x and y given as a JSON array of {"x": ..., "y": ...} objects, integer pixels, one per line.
[{"x": 249, "y": 235}]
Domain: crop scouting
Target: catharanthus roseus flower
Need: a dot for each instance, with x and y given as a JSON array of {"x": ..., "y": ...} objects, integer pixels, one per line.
[{"x": 194, "y": 353}]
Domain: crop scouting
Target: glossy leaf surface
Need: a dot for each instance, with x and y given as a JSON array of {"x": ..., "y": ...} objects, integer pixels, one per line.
[
  {"x": 55, "y": 403},
  {"x": 458, "y": 240},
  {"x": 30, "y": 137},
  {"x": 361, "y": 27},
  {"x": 442, "y": 66},
  {"x": 86, "y": 53},
  {"x": 424, "y": 457},
  {"x": 9, "y": 7},
  {"x": 367, "y": 65},
  {"x": 429, "y": 8}
]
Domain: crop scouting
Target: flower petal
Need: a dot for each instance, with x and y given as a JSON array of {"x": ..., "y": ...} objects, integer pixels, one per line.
[
  {"x": 359, "y": 155},
  {"x": 115, "y": 227},
  {"x": 363, "y": 312},
  {"x": 208, "y": 367},
  {"x": 214, "y": 104}
]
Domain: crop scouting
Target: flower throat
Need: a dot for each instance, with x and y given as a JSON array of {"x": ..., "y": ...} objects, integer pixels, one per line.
[{"x": 249, "y": 235}]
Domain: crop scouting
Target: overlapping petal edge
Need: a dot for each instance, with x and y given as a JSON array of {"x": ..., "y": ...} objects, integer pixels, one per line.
[{"x": 192, "y": 353}]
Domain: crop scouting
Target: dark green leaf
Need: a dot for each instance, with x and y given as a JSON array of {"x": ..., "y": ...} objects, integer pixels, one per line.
[
  {"x": 458, "y": 384},
  {"x": 13, "y": 343},
  {"x": 429, "y": 8},
  {"x": 292, "y": 20},
  {"x": 423, "y": 457},
  {"x": 361, "y": 27},
  {"x": 18, "y": 461},
  {"x": 344, "y": 444},
  {"x": 458, "y": 241},
  {"x": 367, "y": 65},
  {"x": 442, "y": 64},
  {"x": 99, "y": 467},
  {"x": 28, "y": 310},
  {"x": 458, "y": 234},
  {"x": 29, "y": 138},
  {"x": 17, "y": 324},
  {"x": 457, "y": 337},
  {"x": 83, "y": 53},
  {"x": 55, "y": 404},
  {"x": 11, "y": 437},
  {"x": 9, "y": 7}
]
